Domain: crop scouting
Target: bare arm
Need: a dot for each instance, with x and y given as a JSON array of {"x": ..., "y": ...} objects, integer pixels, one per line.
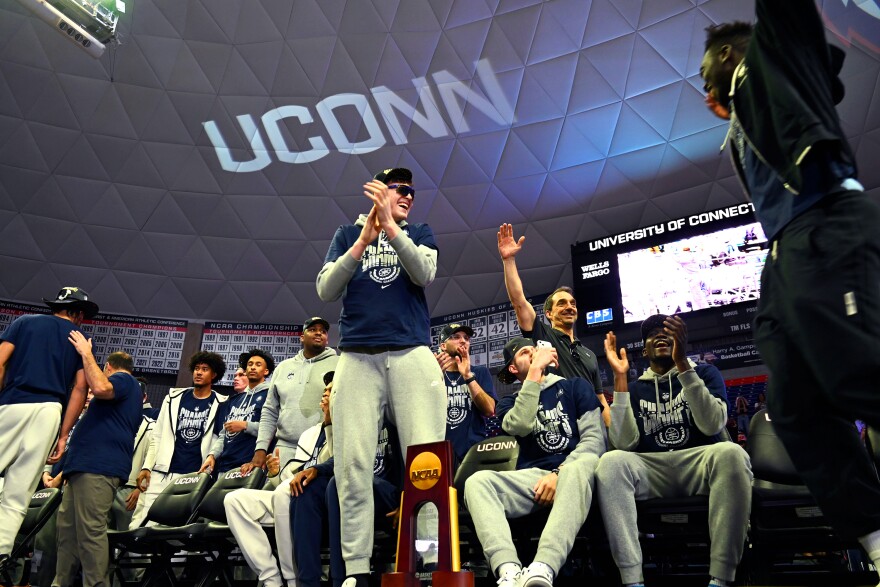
[
  {"x": 508, "y": 247},
  {"x": 74, "y": 409},
  {"x": 6, "y": 349},
  {"x": 95, "y": 378}
]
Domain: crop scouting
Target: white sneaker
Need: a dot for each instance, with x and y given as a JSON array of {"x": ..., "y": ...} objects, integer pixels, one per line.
[
  {"x": 536, "y": 575},
  {"x": 510, "y": 578}
]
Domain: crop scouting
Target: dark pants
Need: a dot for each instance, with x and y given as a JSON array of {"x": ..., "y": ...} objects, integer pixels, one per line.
[
  {"x": 308, "y": 515},
  {"x": 386, "y": 497},
  {"x": 818, "y": 330}
]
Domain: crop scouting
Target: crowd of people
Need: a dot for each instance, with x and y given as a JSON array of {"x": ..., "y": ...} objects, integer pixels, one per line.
[{"x": 332, "y": 427}]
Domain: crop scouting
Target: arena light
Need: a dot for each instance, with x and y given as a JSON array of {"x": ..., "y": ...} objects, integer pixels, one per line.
[{"x": 87, "y": 24}]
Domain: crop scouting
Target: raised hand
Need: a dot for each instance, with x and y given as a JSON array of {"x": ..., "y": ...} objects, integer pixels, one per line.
[
  {"x": 508, "y": 246},
  {"x": 617, "y": 358},
  {"x": 677, "y": 330}
]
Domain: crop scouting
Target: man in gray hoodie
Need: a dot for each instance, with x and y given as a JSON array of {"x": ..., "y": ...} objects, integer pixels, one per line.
[
  {"x": 669, "y": 427},
  {"x": 294, "y": 395}
]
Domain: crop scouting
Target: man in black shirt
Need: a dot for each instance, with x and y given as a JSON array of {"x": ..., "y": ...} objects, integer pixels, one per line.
[{"x": 560, "y": 308}]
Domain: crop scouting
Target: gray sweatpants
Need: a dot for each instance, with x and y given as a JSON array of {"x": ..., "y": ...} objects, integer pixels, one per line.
[
  {"x": 721, "y": 470},
  {"x": 493, "y": 496},
  {"x": 408, "y": 386}
]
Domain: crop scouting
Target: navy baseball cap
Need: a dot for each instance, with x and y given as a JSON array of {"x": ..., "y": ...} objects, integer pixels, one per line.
[
  {"x": 451, "y": 329},
  {"x": 394, "y": 175},
  {"x": 652, "y": 323},
  {"x": 316, "y": 320},
  {"x": 510, "y": 349}
]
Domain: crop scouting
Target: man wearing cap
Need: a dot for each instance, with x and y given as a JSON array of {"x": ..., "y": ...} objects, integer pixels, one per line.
[
  {"x": 560, "y": 308},
  {"x": 238, "y": 419},
  {"x": 669, "y": 427},
  {"x": 559, "y": 428},
  {"x": 380, "y": 266},
  {"x": 40, "y": 374},
  {"x": 294, "y": 395},
  {"x": 470, "y": 395}
]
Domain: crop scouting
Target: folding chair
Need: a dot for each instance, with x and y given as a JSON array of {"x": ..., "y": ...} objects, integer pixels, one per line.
[
  {"x": 175, "y": 507},
  {"x": 43, "y": 504}
]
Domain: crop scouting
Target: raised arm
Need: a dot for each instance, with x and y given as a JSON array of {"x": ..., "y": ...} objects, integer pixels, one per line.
[
  {"x": 623, "y": 432},
  {"x": 508, "y": 247},
  {"x": 95, "y": 378}
]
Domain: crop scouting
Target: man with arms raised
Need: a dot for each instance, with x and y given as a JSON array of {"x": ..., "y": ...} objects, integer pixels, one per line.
[
  {"x": 777, "y": 84},
  {"x": 38, "y": 367},
  {"x": 380, "y": 266},
  {"x": 560, "y": 308},
  {"x": 669, "y": 429},
  {"x": 98, "y": 462}
]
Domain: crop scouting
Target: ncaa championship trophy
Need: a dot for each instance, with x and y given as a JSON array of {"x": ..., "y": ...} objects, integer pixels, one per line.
[{"x": 429, "y": 480}]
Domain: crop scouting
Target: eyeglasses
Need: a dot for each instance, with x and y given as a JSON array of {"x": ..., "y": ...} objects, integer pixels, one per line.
[{"x": 403, "y": 189}]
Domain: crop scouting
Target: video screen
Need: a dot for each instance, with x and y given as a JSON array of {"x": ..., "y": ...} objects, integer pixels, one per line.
[{"x": 705, "y": 271}]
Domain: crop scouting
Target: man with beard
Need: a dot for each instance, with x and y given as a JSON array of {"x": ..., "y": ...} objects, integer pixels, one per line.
[
  {"x": 470, "y": 395},
  {"x": 560, "y": 308},
  {"x": 294, "y": 395},
  {"x": 669, "y": 429},
  {"x": 559, "y": 429},
  {"x": 777, "y": 84},
  {"x": 238, "y": 420}
]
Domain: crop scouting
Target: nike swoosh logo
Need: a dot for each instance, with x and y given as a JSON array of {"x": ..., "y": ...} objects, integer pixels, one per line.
[{"x": 386, "y": 285}]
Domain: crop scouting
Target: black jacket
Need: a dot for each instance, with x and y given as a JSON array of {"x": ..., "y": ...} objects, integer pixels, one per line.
[{"x": 786, "y": 90}]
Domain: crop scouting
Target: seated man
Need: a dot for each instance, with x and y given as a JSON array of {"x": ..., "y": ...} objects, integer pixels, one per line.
[
  {"x": 672, "y": 419},
  {"x": 248, "y": 509},
  {"x": 558, "y": 425}
]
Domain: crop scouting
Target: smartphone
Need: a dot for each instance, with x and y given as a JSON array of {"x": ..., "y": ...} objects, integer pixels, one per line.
[{"x": 546, "y": 344}]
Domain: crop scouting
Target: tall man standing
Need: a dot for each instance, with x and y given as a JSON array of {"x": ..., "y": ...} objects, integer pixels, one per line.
[
  {"x": 777, "y": 83},
  {"x": 470, "y": 394},
  {"x": 37, "y": 368},
  {"x": 294, "y": 395},
  {"x": 98, "y": 462},
  {"x": 560, "y": 308},
  {"x": 380, "y": 266},
  {"x": 183, "y": 434}
]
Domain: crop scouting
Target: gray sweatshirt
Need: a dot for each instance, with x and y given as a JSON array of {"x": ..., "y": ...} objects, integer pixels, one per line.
[{"x": 293, "y": 402}]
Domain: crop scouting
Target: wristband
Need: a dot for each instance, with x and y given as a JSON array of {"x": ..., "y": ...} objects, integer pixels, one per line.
[
  {"x": 469, "y": 380},
  {"x": 555, "y": 471}
]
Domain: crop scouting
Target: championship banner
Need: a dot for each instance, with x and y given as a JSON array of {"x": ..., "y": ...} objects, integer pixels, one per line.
[
  {"x": 230, "y": 339},
  {"x": 155, "y": 344},
  {"x": 493, "y": 326}
]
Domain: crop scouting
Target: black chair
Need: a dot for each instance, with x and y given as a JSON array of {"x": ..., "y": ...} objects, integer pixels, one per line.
[
  {"x": 42, "y": 506},
  {"x": 211, "y": 535},
  {"x": 790, "y": 535},
  {"x": 154, "y": 545}
]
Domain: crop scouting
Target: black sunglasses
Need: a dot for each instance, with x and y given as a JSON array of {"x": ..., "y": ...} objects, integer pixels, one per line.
[{"x": 403, "y": 189}]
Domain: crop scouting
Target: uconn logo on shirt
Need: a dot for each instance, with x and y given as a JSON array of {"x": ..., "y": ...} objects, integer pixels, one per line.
[
  {"x": 380, "y": 261},
  {"x": 669, "y": 427},
  {"x": 552, "y": 430}
]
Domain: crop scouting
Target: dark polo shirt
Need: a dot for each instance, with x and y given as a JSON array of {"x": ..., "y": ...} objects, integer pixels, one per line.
[{"x": 575, "y": 360}]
